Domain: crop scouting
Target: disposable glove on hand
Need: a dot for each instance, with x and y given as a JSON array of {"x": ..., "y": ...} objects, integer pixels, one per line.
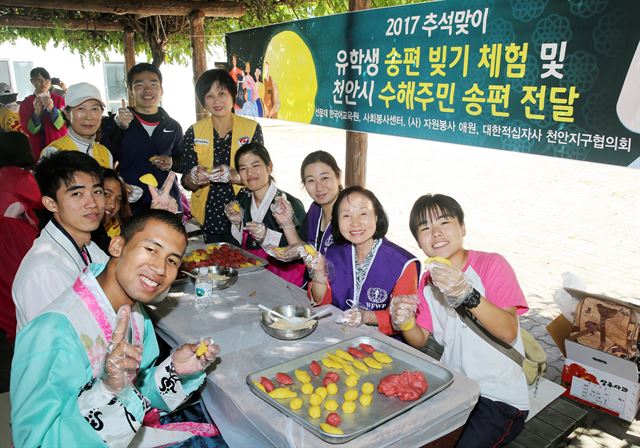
[
  {"x": 403, "y": 309},
  {"x": 282, "y": 212},
  {"x": 257, "y": 230},
  {"x": 351, "y": 318},
  {"x": 452, "y": 283},
  {"x": 186, "y": 360},
  {"x": 316, "y": 263},
  {"x": 122, "y": 360},
  {"x": 198, "y": 176},
  {"x": 288, "y": 253},
  {"x": 234, "y": 213},
  {"x": 220, "y": 174},
  {"x": 162, "y": 199}
]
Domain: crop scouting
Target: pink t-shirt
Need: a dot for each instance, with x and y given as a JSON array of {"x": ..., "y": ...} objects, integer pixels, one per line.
[{"x": 494, "y": 274}]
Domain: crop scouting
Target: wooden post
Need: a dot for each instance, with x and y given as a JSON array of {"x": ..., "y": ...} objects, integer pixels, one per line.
[
  {"x": 198, "y": 53},
  {"x": 129, "y": 57},
  {"x": 356, "y": 153}
]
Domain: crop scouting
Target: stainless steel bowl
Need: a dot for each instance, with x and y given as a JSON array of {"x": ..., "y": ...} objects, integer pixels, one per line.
[
  {"x": 267, "y": 319},
  {"x": 231, "y": 275}
]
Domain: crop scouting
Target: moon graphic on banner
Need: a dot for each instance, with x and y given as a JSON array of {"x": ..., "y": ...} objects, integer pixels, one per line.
[{"x": 293, "y": 71}]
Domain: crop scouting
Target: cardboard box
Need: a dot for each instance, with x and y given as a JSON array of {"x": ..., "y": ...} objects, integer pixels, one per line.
[{"x": 593, "y": 377}]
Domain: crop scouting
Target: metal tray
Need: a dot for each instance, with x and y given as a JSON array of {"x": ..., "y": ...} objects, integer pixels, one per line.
[
  {"x": 364, "y": 419},
  {"x": 262, "y": 263}
]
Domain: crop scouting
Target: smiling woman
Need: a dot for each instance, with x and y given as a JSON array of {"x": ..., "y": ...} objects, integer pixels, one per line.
[
  {"x": 258, "y": 226},
  {"x": 207, "y": 154},
  {"x": 362, "y": 270},
  {"x": 83, "y": 114}
]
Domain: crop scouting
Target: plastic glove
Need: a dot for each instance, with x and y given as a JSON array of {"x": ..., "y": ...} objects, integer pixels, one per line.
[
  {"x": 351, "y": 318},
  {"x": 451, "y": 282},
  {"x": 403, "y": 311},
  {"x": 257, "y": 230},
  {"x": 198, "y": 176},
  {"x": 163, "y": 163},
  {"x": 162, "y": 199},
  {"x": 186, "y": 361},
  {"x": 37, "y": 106},
  {"x": 124, "y": 117},
  {"x": 219, "y": 174},
  {"x": 134, "y": 193},
  {"x": 47, "y": 103},
  {"x": 288, "y": 253},
  {"x": 316, "y": 264},
  {"x": 282, "y": 212},
  {"x": 122, "y": 361},
  {"x": 234, "y": 213}
]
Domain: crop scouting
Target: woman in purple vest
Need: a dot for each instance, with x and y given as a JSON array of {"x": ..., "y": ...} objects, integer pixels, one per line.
[
  {"x": 320, "y": 176},
  {"x": 362, "y": 270}
]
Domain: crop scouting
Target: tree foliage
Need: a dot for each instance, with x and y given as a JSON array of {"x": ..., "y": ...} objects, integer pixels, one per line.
[{"x": 163, "y": 38}]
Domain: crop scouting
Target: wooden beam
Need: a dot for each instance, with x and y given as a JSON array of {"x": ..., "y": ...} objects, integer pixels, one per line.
[
  {"x": 129, "y": 57},
  {"x": 356, "y": 163},
  {"x": 211, "y": 8},
  {"x": 357, "y": 142},
  {"x": 17, "y": 21},
  {"x": 198, "y": 53}
]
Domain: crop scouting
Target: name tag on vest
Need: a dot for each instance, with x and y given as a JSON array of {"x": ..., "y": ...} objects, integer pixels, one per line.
[{"x": 201, "y": 141}]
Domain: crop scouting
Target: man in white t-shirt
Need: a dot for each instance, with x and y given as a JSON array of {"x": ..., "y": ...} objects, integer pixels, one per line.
[
  {"x": 485, "y": 285},
  {"x": 71, "y": 184}
]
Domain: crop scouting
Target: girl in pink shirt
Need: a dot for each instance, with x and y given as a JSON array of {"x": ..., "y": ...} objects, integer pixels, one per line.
[{"x": 482, "y": 284}]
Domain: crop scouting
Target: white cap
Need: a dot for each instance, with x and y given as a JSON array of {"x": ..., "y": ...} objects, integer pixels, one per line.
[{"x": 81, "y": 92}]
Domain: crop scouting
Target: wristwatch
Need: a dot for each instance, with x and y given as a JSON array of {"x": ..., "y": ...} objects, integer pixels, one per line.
[{"x": 472, "y": 299}]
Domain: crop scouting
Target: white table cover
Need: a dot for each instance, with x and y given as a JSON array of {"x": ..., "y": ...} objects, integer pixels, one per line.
[{"x": 246, "y": 420}]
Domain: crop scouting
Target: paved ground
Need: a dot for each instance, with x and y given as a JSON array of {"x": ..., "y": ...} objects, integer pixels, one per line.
[{"x": 546, "y": 215}]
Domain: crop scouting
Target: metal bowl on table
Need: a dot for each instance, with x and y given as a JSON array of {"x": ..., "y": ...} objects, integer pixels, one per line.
[
  {"x": 267, "y": 321},
  {"x": 220, "y": 277}
]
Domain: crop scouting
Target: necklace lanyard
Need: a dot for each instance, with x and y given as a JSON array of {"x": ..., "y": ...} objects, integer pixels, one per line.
[{"x": 84, "y": 254}]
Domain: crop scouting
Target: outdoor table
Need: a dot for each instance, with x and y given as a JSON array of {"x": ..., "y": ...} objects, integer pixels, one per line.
[{"x": 244, "y": 419}]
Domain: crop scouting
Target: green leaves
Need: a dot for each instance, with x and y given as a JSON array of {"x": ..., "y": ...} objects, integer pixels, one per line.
[{"x": 94, "y": 46}]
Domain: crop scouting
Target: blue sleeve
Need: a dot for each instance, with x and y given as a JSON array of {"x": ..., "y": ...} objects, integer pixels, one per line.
[
  {"x": 49, "y": 369},
  {"x": 111, "y": 136},
  {"x": 151, "y": 382}
]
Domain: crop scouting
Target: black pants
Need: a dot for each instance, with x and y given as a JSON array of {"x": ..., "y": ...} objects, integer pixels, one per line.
[{"x": 492, "y": 424}]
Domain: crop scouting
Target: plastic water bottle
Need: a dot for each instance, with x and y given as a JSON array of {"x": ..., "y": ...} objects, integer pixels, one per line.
[{"x": 203, "y": 291}]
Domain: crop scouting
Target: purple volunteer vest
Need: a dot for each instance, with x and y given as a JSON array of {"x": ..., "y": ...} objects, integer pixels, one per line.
[
  {"x": 385, "y": 270},
  {"x": 314, "y": 216}
]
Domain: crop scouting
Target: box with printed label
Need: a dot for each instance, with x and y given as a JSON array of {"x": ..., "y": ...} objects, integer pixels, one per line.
[
  {"x": 592, "y": 376},
  {"x": 601, "y": 380}
]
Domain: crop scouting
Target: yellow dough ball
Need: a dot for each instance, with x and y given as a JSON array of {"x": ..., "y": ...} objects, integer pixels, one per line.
[
  {"x": 351, "y": 381},
  {"x": 326, "y": 427},
  {"x": 331, "y": 405},
  {"x": 307, "y": 388},
  {"x": 295, "y": 404},
  {"x": 351, "y": 395},
  {"x": 315, "y": 399},
  {"x": 348, "y": 407},
  {"x": 332, "y": 388},
  {"x": 315, "y": 411},
  {"x": 367, "y": 388},
  {"x": 365, "y": 400}
]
